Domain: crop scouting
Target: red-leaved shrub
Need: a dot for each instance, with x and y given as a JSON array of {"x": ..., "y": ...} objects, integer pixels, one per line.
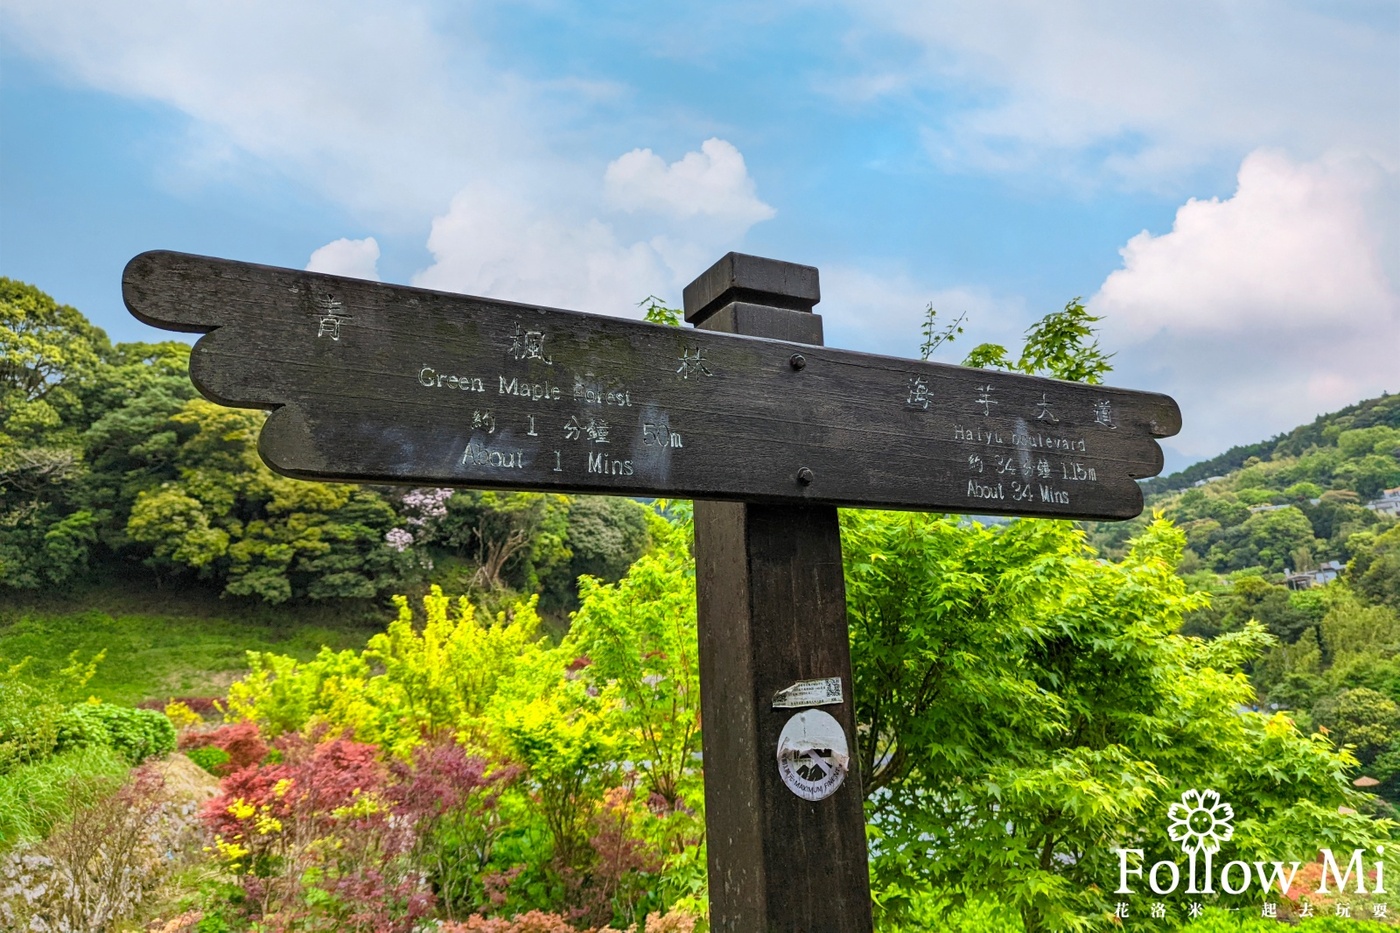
[
  {"x": 331, "y": 836},
  {"x": 621, "y": 867},
  {"x": 313, "y": 841},
  {"x": 533, "y": 922},
  {"x": 451, "y": 800},
  {"x": 240, "y": 741},
  {"x": 208, "y": 707}
]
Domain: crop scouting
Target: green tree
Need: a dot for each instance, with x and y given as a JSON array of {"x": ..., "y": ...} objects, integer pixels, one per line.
[
  {"x": 1265, "y": 539},
  {"x": 107, "y": 456},
  {"x": 1289, "y": 676},
  {"x": 1061, "y": 344},
  {"x": 570, "y": 760},
  {"x": 1027, "y": 707},
  {"x": 522, "y": 535},
  {"x": 1375, "y": 569},
  {"x": 1362, "y": 718},
  {"x": 227, "y": 518},
  {"x": 47, "y": 350},
  {"x": 131, "y": 441},
  {"x": 1286, "y": 614},
  {"x": 605, "y": 535},
  {"x": 1371, "y": 474},
  {"x": 42, "y": 343},
  {"x": 1377, "y": 439},
  {"x": 637, "y": 642},
  {"x": 178, "y": 529}
]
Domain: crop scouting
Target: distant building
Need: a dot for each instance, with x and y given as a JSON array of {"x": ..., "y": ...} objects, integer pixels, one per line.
[
  {"x": 1323, "y": 575},
  {"x": 1208, "y": 479},
  {"x": 1267, "y": 508},
  {"x": 1388, "y": 503}
]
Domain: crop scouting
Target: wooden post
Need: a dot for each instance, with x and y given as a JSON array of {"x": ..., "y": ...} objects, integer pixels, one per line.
[{"x": 772, "y": 613}]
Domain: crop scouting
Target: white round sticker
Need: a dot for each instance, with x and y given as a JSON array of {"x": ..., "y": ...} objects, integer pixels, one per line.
[{"x": 813, "y": 756}]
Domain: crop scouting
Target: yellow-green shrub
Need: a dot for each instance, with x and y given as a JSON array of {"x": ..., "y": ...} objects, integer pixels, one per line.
[{"x": 408, "y": 681}]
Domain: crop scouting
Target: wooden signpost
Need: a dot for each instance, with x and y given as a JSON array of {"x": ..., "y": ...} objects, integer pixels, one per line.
[{"x": 746, "y": 413}]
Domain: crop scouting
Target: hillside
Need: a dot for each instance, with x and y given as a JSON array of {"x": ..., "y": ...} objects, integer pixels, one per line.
[
  {"x": 1294, "y": 503},
  {"x": 1383, "y": 411},
  {"x": 1292, "y": 543}
]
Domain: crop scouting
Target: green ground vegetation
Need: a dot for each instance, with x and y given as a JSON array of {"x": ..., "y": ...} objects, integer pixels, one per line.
[{"x": 157, "y": 644}]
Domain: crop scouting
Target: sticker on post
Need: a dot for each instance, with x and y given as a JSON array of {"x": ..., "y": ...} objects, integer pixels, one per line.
[
  {"x": 813, "y": 756},
  {"x": 822, "y": 692}
]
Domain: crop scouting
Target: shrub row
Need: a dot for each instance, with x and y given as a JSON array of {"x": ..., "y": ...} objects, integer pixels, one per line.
[
  {"x": 34, "y": 726},
  {"x": 135, "y": 734}
]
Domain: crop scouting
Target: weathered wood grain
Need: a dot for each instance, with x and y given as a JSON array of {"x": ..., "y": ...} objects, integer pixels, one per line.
[
  {"x": 772, "y": 613},
  {"x": 377, "y": 383}
]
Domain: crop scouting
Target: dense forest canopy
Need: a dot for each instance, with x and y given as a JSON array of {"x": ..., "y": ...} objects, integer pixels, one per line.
[
  {"x": 109, "y": 462},
  {"x": 1298, "y": 535}
]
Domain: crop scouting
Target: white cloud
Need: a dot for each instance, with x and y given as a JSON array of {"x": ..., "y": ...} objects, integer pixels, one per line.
[
  {"x": 1292, "y": 248},
  {"x": 495, "y": 242},
  {"x": 1262, "y": 310},
  {"x": 1143, "y": 92},
  {"x": 366, "y": 102},
  {"x": 395, "y": 108},
  {"x": 358, "y": 259},
  {"x": 713, "y": 182}
]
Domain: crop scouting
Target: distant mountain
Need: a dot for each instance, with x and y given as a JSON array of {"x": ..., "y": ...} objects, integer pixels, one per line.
[
  {"x": 1310, "y": 499},
  {"x": 1383, "y": 411}
]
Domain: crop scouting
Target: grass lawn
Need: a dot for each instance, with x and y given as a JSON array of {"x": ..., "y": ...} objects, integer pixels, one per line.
[{"x": 161, "y": 644}]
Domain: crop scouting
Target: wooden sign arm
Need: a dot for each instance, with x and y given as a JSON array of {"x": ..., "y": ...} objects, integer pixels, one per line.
[{"x": 378, "y": 383}]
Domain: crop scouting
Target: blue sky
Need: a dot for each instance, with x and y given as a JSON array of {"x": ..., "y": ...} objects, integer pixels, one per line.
[{"x": 1219, "y": 180}]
